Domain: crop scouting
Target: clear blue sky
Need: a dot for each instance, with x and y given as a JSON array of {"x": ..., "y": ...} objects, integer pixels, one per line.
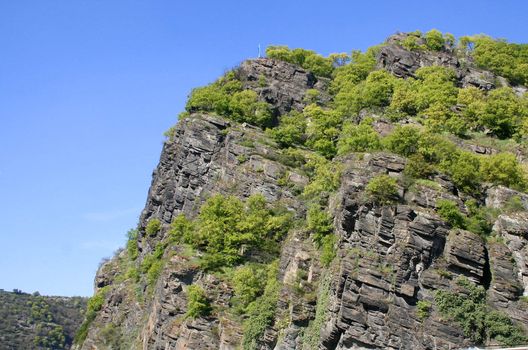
[{"x": 87, "y": 88}]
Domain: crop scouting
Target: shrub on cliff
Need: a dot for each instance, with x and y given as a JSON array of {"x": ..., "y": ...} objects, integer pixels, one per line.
[
  {"x": 307, "y": 59},
  {"x": 503, "y": 58},
  {"x": 358, "y": 138},
  {"x": 226, "y": 97},
  {"x": 227, "y": 229},
  {"x": 197, "y": 303},
  {"x": 382, "y": 189}
]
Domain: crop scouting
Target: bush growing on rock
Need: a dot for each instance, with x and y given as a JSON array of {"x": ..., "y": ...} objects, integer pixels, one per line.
[
  {"x": 450, "y": 212},
  {"x": 403, "y": 140},
  {"x": 153, "y": 227},
  {"x": 504, "y": 169},
  {"x": 477, "y": 320},
  {"x": 197, "y": 303},
  {"x": 382, "y": 189},
  {"x": 227, "y": 229},
  {"x": 226, "y": 97},
  {"x": 499, "y": 56},
  {"x": 319, "y": 223},
  {"x": 291, "y": 130},
  {"x": 307, "y": 59},
  {"x": 358, "y": 138}
]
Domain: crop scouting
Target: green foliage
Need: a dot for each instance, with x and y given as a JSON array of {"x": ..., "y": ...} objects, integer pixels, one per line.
[
  {"x": 477, "y": 320},
  {"x": 375, "y": 91},
  {"x": 404, "y": 140},
  {"x": 328, "y": 250},
  {"x": 513, "y": 205},
  {"x": 226, "y": 97},
  {"x": 290, "y": 131},
  {"x": 94, "y": 305},
  {"x": 504, "y": 112},
  {"x": 311, "y": 96},
  {"x": 248, "y": 282},
  {"x": 464, "y": 169},
  {"x": 319, "y": 223},
  {"x": 412, "y": 42},
  {"x": 261, "y": 312},
  {"x": 181, "y": 229},
  {"x": 47, "y": 337},
  {"x": 324, "y": 176},
  {"x": 227, "y": 229},
  {"x": 244, "y": 106},
  {"x": 506, "y": 59},
  {"x": 434, "y": 40},
  {"x": 197, "y": 303},
  {"x": 151, "y": 259},
  {"x": 323, "y": 129},
  {"x": 504, "y": 169},
  {"x": 153, "y": 227},
  {"x": 307, "y": 59},
  {"x": 480, "y": 219},
  {"x": 358, "y": 138},
  {"x": 154, "y": 272},
  {"x": 418, "y": 168},
  {"x": 382, "y": 189},
  {"x": 423, "y": 309},
  {"x": 312, "y": 334},
  {"x": 347, "y": 76},
  {"x": 450, "y": 212},
  {"x": 132, "y": 244}
]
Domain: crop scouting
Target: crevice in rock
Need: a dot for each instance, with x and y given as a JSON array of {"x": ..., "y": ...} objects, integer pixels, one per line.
[{"x": 486, "y": 273}]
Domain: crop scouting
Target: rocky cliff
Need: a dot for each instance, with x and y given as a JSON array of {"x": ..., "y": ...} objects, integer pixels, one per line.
[{"x": 381, "y": 290}]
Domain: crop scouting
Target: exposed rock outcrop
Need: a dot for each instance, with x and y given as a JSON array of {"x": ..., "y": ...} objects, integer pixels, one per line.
[
  {"x": 404, "y": 63},
  {"x": 389, "y": 258}
]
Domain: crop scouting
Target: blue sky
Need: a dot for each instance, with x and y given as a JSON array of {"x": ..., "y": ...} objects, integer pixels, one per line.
[{"x": 87, "y": 88}]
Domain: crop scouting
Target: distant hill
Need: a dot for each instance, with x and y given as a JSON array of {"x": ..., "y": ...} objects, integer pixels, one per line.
[{"x": 32, "y": 321}]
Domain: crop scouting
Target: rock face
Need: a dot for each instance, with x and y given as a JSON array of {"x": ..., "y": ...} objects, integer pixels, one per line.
[
  {"x": 389, "y": 258},
  {"x": 404, "y": 63},
  {"x": 281, "y": 84}
]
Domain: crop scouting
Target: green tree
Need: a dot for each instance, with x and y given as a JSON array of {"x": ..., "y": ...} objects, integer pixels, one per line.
[
  {"x": 450, "y": 212},
  {"x": 323, "y": 129},
  {"x": 434, "y": 40},
  {"x": 504, "y": 169},
  {"x": 375, "y": 91},
  {"x": 197, "y": 303},
  {"x": 290, "y": 131},
  {"x": 319, "y": 224},
  {"x": 504, "y": 112},
  {"x": 358, "y": 138},
  {"x": 403, "y": 140},
  {"x": 382, "y": 189},
  {"x": 153, "y": 226}
]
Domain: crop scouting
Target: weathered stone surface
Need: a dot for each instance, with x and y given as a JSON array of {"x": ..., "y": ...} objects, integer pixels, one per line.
[
  {"x": 388, "y": 257},
  {"x": 513, "y": 228},
  {"x": 466, "y": 255},
  {"x": 281, "y": 84},
  {"x": 498, "y": 196},
  {"x": 404, "y": 63}
]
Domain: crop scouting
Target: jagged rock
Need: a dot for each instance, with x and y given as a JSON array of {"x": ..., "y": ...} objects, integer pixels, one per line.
[
  {"x": 514, "y": 229},
  {"x": 389, "y": 257},
  {"x": 498, "y": 196},
  {"x": 281, "y": 84},
  {"x": 466, "y": 254},
  {"x": 404, "y": 63}
]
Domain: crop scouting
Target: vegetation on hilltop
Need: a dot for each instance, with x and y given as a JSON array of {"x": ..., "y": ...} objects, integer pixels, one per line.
[{"x": 32, "y": 321}]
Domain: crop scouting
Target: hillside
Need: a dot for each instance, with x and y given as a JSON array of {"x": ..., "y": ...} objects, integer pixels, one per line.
[
  {"x": 371, "y": 200},
  {"x": 32, "y": 321}
]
